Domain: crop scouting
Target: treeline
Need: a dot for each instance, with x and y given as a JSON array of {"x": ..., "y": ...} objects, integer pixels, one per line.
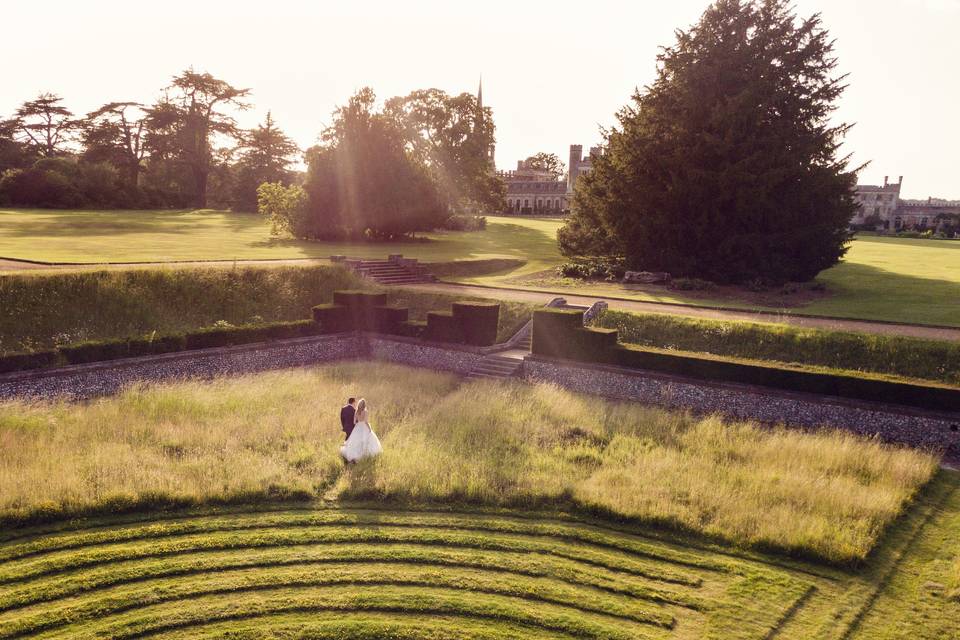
[
  {"x": 184, "y": 150},
  {"x": 381, "y": 173}
]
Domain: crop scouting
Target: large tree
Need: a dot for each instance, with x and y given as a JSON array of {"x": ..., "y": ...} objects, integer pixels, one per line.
[
  {"x": 46, "y": 125},
  {"x": 549, "y": 162},
  {"x": 363, "y": 183},
  {"x": 13, "y": 153},
  {"x": 266, "y": 154},
  {"x": 184, "y": 124},
  {"x": 727, "y": 166},
  {"x": 451, "y": 136},
  {"x": 115, "y": 133}
]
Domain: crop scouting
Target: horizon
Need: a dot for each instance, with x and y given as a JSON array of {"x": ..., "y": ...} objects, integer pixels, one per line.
[{"x": 538, "y": 63}]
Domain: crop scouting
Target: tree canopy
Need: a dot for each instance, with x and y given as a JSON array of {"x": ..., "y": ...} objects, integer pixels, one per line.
[
  {"x": 727, "y": 167},
  {"x": 266, "y": 154},
  {"x": 362, "y": 182},
  {"x": 549, "y": 162},
  {"x": 450, "y": 136}
]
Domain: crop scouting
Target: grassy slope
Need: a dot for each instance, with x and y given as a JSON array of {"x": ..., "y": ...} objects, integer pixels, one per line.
[
  {"x": 275, "y": 434},
  {"x": 350, "y": 571},
  {"x": 894, "y": 279},
  {"x": 41, "y": 310}
]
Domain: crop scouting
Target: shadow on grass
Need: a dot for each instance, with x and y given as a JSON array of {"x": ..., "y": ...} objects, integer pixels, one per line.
[{"x": 869, "y": 292}]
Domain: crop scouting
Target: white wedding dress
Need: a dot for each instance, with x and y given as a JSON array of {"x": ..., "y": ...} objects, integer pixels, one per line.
[{"x": 362, "y": 443}]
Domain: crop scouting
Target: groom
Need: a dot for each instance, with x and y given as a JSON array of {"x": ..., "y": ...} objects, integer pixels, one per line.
[{"x": 346, "y": 416}]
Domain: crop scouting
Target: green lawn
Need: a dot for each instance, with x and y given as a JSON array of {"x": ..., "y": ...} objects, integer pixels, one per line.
[
  {"x": 893, "y": 279},
  {"x": 469, "y": 531}
]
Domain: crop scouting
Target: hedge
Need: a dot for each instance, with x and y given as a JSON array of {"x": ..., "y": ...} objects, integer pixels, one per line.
[
  {"x": 896, "y": 355},
  {"x": 104, "y": 350},
  {"x": 23, "y": 361},
  {"x": 443, "y": 327},
  {"x": 559, "y": 339},
  {"x": 478, "y": 321},
  {"x": 551, "y": 328}
]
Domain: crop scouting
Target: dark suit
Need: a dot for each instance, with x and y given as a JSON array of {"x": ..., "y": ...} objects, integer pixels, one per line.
[{"x": 346, "y": 419}]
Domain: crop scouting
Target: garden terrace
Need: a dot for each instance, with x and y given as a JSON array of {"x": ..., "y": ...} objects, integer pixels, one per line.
[{"x": 549, "y": 515}]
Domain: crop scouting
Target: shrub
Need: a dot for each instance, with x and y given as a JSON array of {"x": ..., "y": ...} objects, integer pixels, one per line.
[
  {"x": 465, "y": 223},
  {"x": 605, "y": 268}
]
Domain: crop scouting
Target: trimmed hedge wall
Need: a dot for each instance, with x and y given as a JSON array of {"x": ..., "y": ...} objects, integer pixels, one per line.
[
  {"x": 937, "y": 360},
  {"x": 98, "y": 351},
  {"x": 555, "y": 336},
  {"x": 471, "y": 322},
  {"x": 478, "y": 322},
  {"x": 442, "y": 326}
]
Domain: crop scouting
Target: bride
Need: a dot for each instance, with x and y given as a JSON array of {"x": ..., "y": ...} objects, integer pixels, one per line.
[{"x": 363, "y": 442}]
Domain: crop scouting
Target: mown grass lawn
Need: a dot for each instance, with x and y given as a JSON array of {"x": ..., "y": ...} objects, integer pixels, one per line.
[
  {"x": 891, "y": 279},
  {"x": 428, "y": 541}
]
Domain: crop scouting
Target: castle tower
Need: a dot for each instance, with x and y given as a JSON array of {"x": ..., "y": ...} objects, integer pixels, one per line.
[{"x": 576, "y": 157}]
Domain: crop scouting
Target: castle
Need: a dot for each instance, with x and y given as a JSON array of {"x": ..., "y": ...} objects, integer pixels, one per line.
[
  {"x": 531, "y": 191},
  {"x": 882, "y": 208}
]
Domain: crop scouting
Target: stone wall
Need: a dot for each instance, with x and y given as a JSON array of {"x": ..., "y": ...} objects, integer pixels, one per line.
[
  {"x": 891, "y": 423},
  {"x": 101, "y": 378},
  {"x": 85, "y": 381}
]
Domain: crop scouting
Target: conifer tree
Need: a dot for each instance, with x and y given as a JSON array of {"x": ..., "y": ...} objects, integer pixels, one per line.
[{"x": 727, "y": 167}]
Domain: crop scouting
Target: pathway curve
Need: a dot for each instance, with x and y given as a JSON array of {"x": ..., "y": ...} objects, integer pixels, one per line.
[{"x": 840, "y": 324}]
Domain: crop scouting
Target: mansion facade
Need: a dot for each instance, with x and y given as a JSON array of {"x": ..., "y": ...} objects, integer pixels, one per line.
[
  {"x": 533, "y": 191},
  {"x": 882, "y": 207}
]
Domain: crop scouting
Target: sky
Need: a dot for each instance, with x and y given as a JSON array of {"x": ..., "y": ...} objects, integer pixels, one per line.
[{"x": 554, "y": 72}]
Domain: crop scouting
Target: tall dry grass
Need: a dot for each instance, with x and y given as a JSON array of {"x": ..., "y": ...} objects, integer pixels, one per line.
[
  {"x": 828, "y": 495},
  {"x": 953, "y": 580},
  {"x": 267, "y": 435}
]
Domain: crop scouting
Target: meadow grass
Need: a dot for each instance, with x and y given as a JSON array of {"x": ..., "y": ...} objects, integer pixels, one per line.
[
  {"x": 828, "y": 494},
  {"x": 953, "y": 580},
  {"x": 275, "y": 435},
  {"x": 43, "y": 310},
  {"x": 935, "y": 360},
  {"x": 893, "y": 279}
]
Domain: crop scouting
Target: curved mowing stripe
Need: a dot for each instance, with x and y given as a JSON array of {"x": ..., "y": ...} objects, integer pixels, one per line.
[
  {"x": 405, "y": 600},
  {"x": 19, "y": 571},
  {"x": 365, "y": 626},
  {"x": 478, "y": 583},
  {"x": 521, "y": 564},
  {"x": 557, "y": 530}
]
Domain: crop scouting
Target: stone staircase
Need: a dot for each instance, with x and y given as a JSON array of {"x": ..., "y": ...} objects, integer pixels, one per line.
[
  {"x": 392, "y": 271},
  {"x": 495, "y": 367}
]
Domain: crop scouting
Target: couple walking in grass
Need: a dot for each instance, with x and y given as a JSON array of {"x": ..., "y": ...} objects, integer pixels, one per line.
[{"x": 361, "y": 441}]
